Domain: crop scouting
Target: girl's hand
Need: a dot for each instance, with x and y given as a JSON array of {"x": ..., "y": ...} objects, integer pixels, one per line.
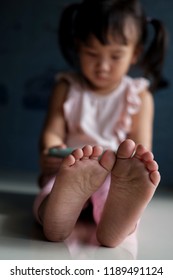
[{"x": 49, "y": 164}]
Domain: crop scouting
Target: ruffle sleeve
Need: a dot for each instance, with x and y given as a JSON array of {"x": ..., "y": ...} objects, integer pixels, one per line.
[{"x": 132, "y": 103}]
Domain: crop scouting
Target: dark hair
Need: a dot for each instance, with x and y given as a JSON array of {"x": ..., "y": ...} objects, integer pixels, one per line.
[{"x": 100, "y": 17}]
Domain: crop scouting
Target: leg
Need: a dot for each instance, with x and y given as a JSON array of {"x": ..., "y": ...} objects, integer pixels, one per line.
[
  {"x": 134, "y": 179},
  {"x": 80, "y": 174}
]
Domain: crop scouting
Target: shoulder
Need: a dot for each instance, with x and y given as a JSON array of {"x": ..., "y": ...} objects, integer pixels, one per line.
[
  {"x": 60, "y": 88},
  {"x": 66, "y": 84},
  {"x": 63, "y": 82},
  {"x": 59, "y": 93},
  {"x": 137, "y": 94},
  {"x": 137, "y": 85},
  {"x": 71, "y": 78}
]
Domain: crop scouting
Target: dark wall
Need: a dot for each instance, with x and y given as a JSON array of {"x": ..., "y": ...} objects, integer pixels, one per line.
[{"x": 29, "y": 58}]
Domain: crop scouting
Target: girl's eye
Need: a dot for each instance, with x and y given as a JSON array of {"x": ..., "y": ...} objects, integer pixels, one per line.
[
  {"x": 115, "y": 57},
  {"x": 92, "y": 54}
]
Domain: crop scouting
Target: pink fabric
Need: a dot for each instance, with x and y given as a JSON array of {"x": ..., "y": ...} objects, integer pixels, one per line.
[{"x": 98, "y": 199}]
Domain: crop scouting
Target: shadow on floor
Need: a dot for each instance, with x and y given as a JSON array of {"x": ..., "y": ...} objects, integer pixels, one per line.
[{"x": 22, "y": 237}]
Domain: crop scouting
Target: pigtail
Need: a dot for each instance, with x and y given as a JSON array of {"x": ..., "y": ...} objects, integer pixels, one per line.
[
  {"x": 66, "y": 32},
  {"x": 153, "y": 59}
]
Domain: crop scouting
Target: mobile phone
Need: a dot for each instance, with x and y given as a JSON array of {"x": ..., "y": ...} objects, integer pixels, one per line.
[{"x": 59, "y": 152}]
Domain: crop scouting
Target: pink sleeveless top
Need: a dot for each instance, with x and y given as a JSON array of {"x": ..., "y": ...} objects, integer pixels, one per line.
[{"x": 104, "y": 120}]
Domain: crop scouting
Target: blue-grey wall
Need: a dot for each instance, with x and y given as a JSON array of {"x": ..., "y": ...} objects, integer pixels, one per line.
[{"x": 29, "y": 57}]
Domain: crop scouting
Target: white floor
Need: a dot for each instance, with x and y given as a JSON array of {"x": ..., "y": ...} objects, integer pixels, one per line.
[{"x": 22, "y": 238}]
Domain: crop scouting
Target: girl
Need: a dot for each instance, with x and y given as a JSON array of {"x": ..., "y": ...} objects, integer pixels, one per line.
[{"x": 97, "y": 108}]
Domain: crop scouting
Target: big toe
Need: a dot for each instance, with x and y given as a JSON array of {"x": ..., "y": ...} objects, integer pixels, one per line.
[
  {"x": 108, "y": 160},
  {"x": 126, "y": 149}
]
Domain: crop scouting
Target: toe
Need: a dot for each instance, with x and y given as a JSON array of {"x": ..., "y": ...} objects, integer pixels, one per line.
[
  {"x": 155, "y": 177},
  {"x": 87, "y": 151},
  {"x": 152, "y": 166},
  {"x": 148, "y": 156},
  {"x": 78, "y": 154},
  {"x": 96, "y": 152},
  {"x": 126, "y": 149},
  {"x": 68, "y": 161},
  {"x": 140, "y": 151}
]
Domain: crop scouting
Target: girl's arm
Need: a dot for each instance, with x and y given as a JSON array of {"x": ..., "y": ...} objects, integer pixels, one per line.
[
  {"x": 142, "y": 123},
  {"x": 54, "y": 129}
]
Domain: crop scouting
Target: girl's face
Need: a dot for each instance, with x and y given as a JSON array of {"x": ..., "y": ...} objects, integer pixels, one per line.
[{"x": 103, "y": 66}]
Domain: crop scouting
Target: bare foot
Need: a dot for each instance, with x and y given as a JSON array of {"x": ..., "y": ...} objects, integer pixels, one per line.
[
  {"x": 79, "y": 176},
  {"x": 134, "y": 180}
]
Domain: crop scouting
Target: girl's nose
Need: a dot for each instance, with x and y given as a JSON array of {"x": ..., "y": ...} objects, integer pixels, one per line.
[{"x": 104, "y": 64}]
